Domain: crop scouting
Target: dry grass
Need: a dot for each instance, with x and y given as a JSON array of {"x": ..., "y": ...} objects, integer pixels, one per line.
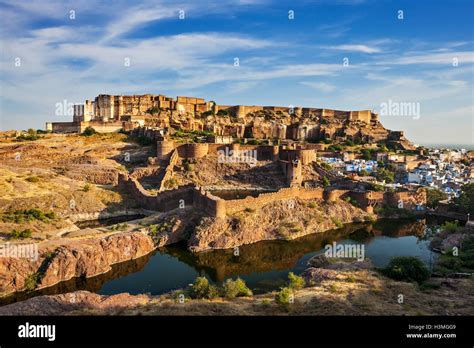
[{"x": 352, "y": 293}]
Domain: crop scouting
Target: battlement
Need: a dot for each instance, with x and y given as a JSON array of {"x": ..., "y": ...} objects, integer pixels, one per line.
[
  {"x": 111, "y": 108},
  {"x": 230, "y": 121}
]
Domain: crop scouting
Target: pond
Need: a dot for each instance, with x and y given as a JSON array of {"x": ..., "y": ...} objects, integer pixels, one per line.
[{"x": 264, "y": 265}]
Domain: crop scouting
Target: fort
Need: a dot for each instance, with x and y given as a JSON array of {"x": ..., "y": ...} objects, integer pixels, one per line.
[
  {"x": 111, "y": 113},
  {"x": 214, "y": 206},
  {"x": 290, "y": 159}
]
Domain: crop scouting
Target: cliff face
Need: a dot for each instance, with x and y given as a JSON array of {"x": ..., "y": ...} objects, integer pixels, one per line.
[
  {"x": 279, "y": 220},
  {"x": 90, "y": 259},
  {"x": 85, "y": 258}
]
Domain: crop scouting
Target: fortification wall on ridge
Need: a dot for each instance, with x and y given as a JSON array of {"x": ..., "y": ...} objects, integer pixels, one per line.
[
  {"x": 165, "y": 201},
  {"x": 213, "y": 206},
  {"x": 169, "y": 170}
]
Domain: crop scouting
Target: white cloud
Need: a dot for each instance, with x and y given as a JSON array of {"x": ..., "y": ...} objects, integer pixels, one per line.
[
  {"x": 320, "y": 86},
  {"x": 444, "y": 58},
  {"x": 355, "y": 48}
]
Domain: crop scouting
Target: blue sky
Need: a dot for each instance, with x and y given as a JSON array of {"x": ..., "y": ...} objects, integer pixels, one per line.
[{"x": 282, "y": 61}]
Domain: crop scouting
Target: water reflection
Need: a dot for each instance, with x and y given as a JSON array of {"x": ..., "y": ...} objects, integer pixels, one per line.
[{"x": 263, "y": 265}]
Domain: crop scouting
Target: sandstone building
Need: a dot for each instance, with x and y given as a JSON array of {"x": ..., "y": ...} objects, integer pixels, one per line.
[{"x": 109, "y": 113}]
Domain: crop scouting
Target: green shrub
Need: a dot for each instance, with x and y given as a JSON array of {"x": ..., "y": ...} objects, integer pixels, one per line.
[
  {"x": 434, "y": 196},
  {"x": 171, "y": 183},
  {"x": 32, "y": 179},
  {"x": 386, "y": 175},
  {"x": 202, "y": 289},
  {"x": 87, "y": 187},
  {"x": 119, "y": 227},
  {"x": 188, "y": 166},
  {"x": 17, "y": 234},
  {"x": 235, "y": 288},
  {"x": 337, "y": 222},
  {"x": 153, "y": 110},
  {"x": 450, "y": 226},
  {"x": 465, "y": 201},
  {"x": 326, "y": 182},
  {"x": 21, "y": 216},
  {"x": 284, "y": 296},
  {"x": 406, "y": 268},
  {"x": 89, "y": 131},
  {"x": 31, "y": 136},
  {"x": 295, "y": 282},
  {"x": 326, "y": 166},
  {"x": 31, "y": 281}
]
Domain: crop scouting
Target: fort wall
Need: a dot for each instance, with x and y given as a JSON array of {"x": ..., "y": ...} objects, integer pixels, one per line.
[
  {"x": 214, "y": 206},
  {"x": 169, "y": 170},
  {"x": 164, "y": 201},
  {"x": 164, "y": 149}
]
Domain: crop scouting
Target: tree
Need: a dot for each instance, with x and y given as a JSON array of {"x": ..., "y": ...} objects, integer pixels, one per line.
[
  {"x": 366, "y": 154},
  {"x": 385, "y": 174},
  {"x": 465, "y": 201},
  {"x": 406, "y": 268},
  {"x": 434, "y": 196}
]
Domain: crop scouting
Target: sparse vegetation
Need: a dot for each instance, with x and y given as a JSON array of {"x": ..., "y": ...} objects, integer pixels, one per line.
[
  {"x": 295, "y": 282},
  {"x": 201, "y": 288},
  {"x": 325, "y": 165},
  {"x": 119, "y": 227},
  {"x": 461, "y": 262},
  {"x": 153, "y": 110},
  {"x": 22, "y": 216},
  {"x": 195, "y": 136},
  {"x": 171, "y": 183},
  {"x": 406, "y": 268},
  {"x": 450, "y": 226},
  {"x": 465, "y": 202},
  {"x": 384, "y": 174},
  {"x": 284, "y": 297},
  {"x": 235, "y": 288},
  {"x": 23, "y": 234},
  {"x": 32, "y": 281},
  {"x": 326, "y": 181},
  {"x": 434, "y": 196},
  {"x": 32, "y": 179},
  {"x": 337, "y": 222},
  {"x": 31, "y": 135},
  {"x": 188, "y": 166},
  {"x": 89, "y": 131}
]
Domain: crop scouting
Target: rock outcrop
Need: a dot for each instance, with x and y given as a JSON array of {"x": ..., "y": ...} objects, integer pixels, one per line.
[
  {"x": 73, "y": 301},
  {"x": 283, "y": 219},
  {"x": 85, "y": 258},
  {"x": 90, "y": 259}
]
